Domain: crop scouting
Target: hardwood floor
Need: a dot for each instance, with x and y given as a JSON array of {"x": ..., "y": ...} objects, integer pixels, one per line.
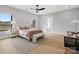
[{"x": 51, "y": 44}]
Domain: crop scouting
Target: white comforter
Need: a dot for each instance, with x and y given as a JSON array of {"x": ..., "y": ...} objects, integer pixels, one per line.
[{"x": 24, "y": 33}]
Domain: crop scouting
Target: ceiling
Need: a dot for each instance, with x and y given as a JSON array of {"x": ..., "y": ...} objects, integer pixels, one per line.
[{"x": 48, "y": 8}]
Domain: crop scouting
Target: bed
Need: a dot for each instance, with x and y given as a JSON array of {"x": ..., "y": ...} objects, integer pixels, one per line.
[{"x": 28, "y": 33}]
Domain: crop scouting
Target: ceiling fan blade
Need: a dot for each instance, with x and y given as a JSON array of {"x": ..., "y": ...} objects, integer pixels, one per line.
[
  {"x": 37, "y": 9},
  {"x": 41, "y": 9}
]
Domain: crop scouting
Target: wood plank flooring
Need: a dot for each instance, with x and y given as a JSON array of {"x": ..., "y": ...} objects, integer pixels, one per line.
[{"x": 51, "y": 44}]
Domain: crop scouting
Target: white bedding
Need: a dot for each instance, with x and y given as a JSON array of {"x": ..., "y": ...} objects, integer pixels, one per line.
[{"x": 24, "y": 33}]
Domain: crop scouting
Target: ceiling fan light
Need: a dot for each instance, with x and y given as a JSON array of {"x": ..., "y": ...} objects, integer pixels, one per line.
[{"x": 37, "y": 11}]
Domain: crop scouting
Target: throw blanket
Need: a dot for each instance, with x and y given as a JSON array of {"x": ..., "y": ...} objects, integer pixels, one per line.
[{"x": 31, "y": 33}]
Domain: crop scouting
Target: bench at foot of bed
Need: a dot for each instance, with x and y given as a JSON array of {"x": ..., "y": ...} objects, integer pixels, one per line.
[{"x": 37, "y": 36}]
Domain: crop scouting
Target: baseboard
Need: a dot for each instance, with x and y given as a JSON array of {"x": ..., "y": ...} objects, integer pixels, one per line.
[{"x": 58, "y": 33}]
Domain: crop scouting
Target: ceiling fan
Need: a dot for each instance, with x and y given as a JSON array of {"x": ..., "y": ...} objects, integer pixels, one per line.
[{"x": 37, "y": 9}]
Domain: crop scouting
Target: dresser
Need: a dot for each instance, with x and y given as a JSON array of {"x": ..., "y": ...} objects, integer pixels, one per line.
[{"x": 72, "y": 43}]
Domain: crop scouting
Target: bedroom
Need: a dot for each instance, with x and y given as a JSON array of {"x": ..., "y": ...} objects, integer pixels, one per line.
[{"x": 54, "y": 25}]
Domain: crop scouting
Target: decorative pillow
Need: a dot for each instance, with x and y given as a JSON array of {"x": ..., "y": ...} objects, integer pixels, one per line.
[
  {"x": 27, "y": 27},
  {"x": 22, "y": 27},
  {"x": 77, "y": 34},
  {"x": 69, "y": 33}
]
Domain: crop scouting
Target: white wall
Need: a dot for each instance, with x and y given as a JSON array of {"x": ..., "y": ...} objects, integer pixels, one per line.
[
  {"x": 62, "y": 20},
  {"x": 60, "y": 24},
  {"x": 21, "y": 17}
]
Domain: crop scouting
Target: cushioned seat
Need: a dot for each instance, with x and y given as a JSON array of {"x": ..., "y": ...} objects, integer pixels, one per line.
[{"x": 37, "y": 36}]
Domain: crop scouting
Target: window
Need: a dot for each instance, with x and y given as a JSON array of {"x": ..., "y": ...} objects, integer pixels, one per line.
[
  {"x": 5, "y": 21},
  {"x": 5, "y": 17},
  {"x": 49, "y": 24},
  {"x": 46, "y": 23}
]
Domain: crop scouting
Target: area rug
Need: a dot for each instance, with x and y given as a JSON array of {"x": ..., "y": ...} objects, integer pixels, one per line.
[{"x": 23, "y": 45}]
